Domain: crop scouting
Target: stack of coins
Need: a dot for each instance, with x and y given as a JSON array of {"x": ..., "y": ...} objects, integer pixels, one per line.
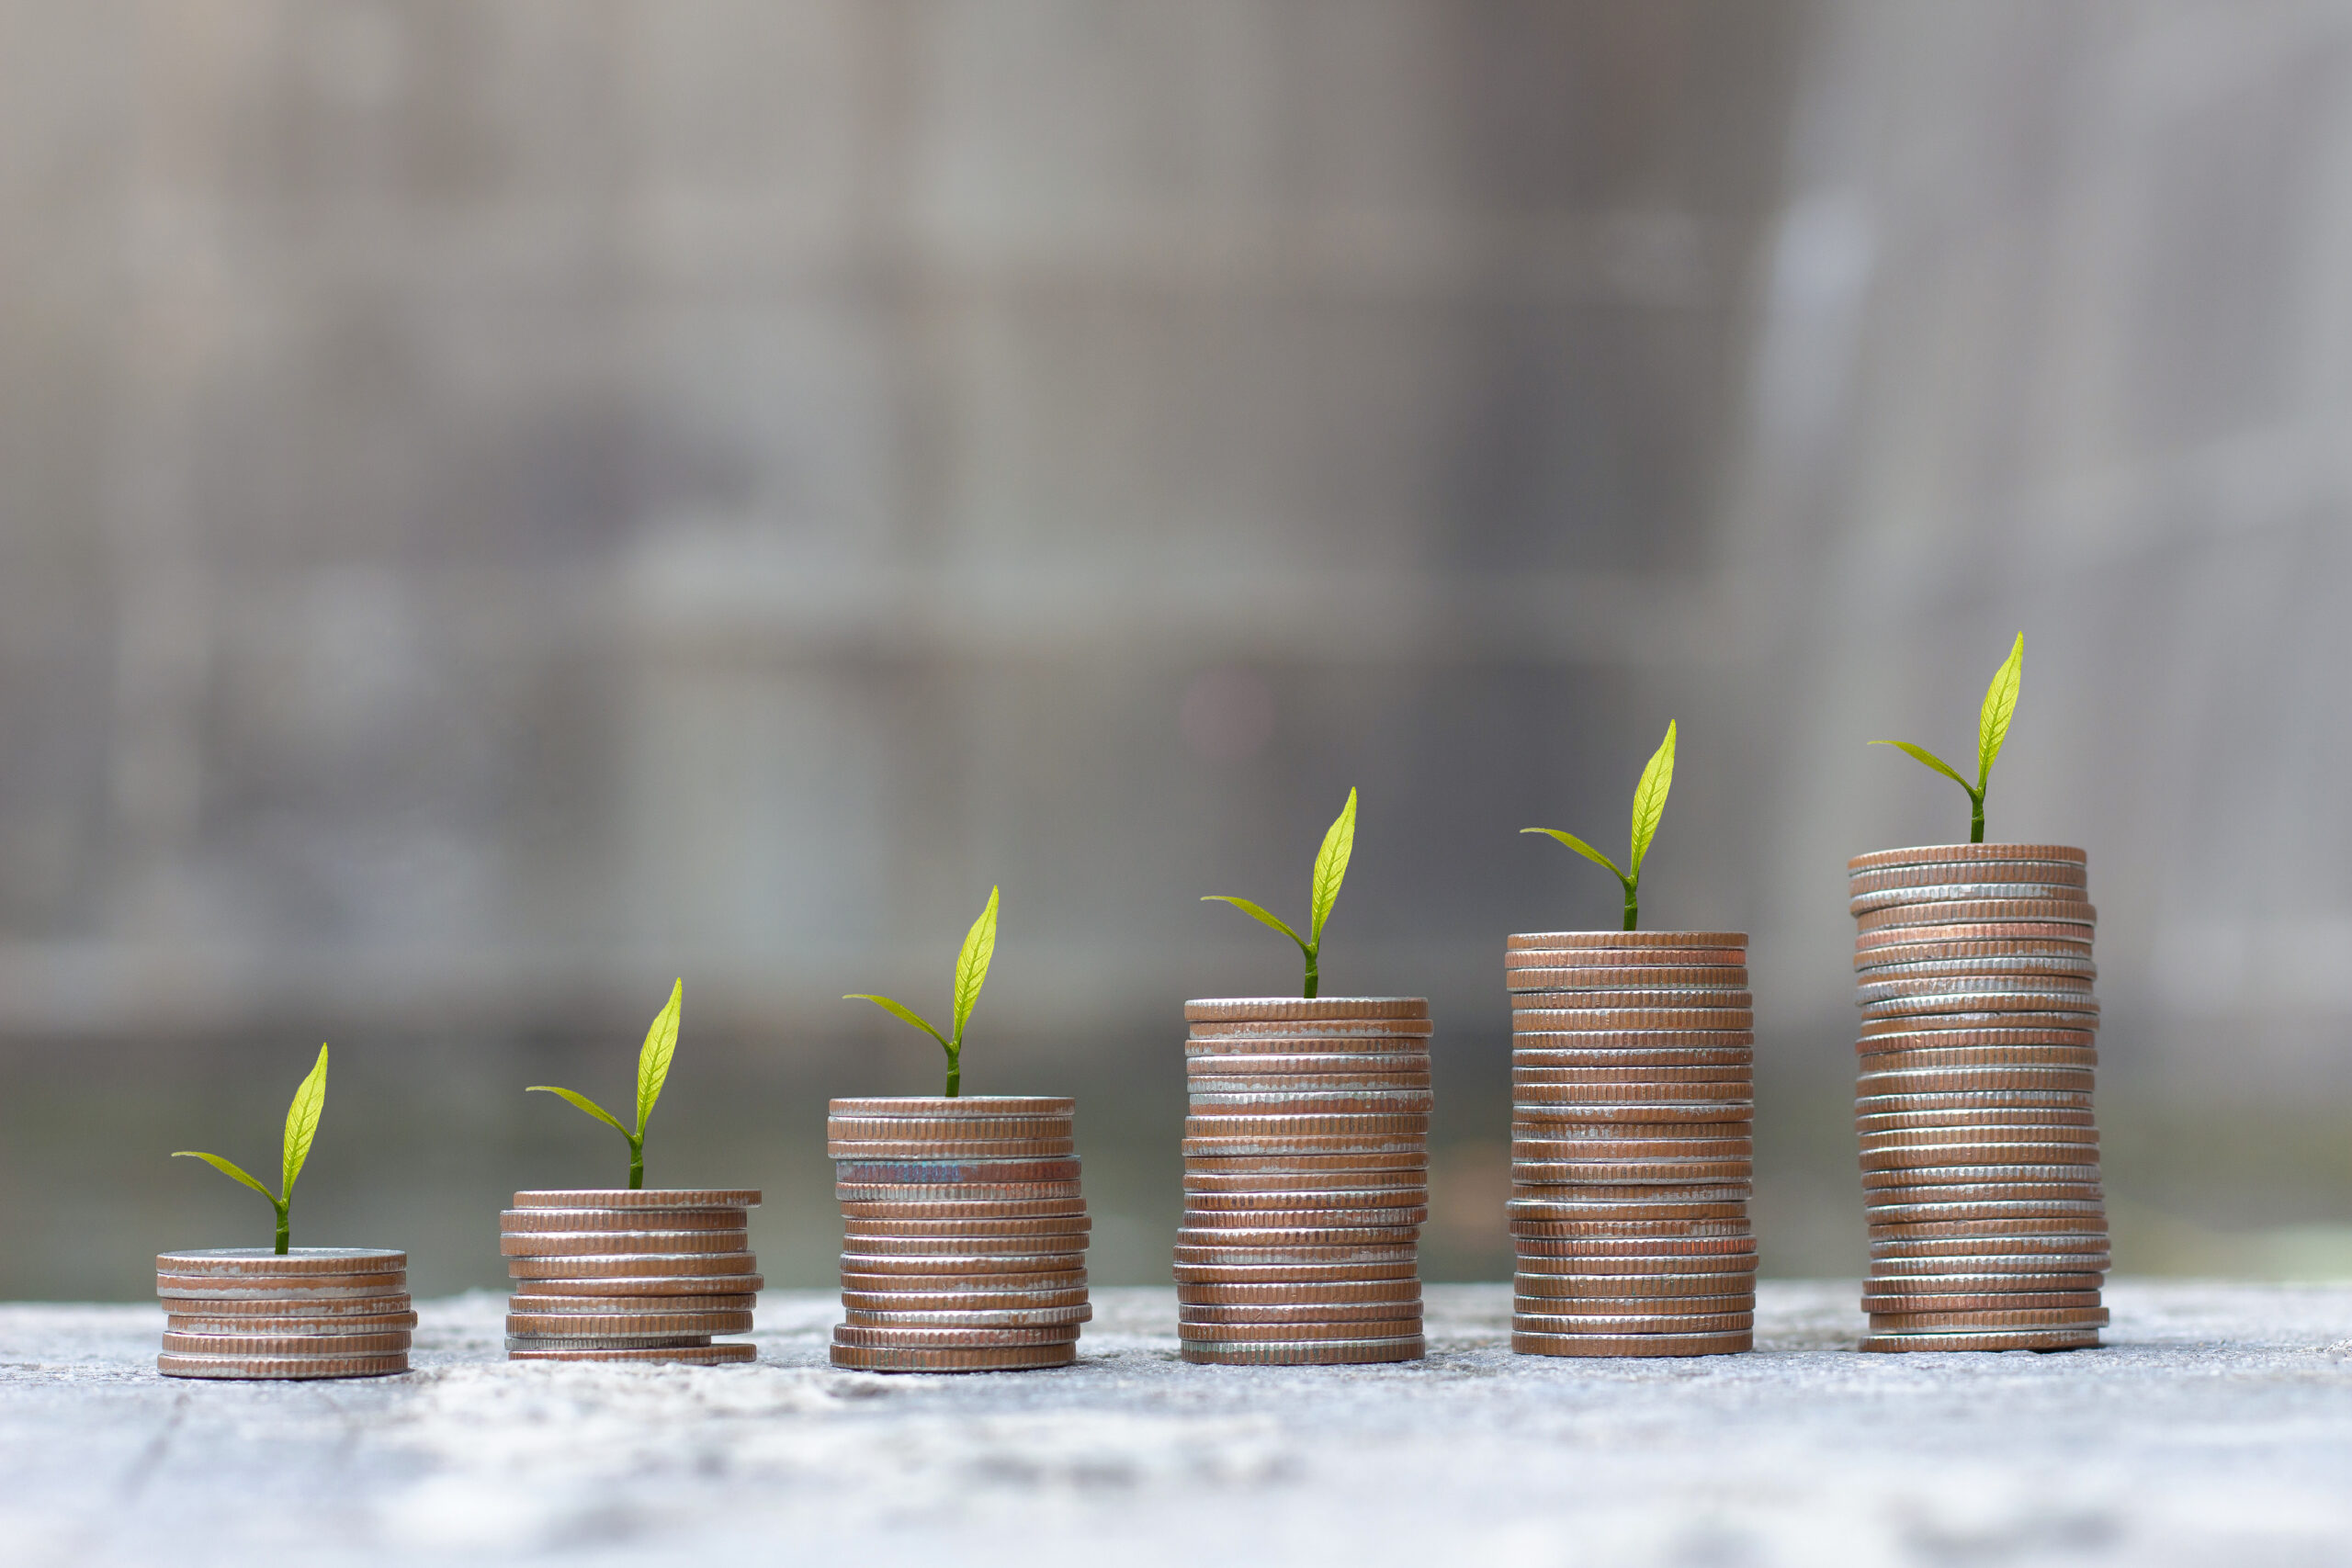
[
  {"x": 316, "y": 1312},
  {"x": 1980, "y": 1159},
  {"x": 629, "y": 1275},
  {"x": 1632, "y": 1105},
  {"x": 964, "y": 1233},
  {"x": 1306, "y": 1181}
]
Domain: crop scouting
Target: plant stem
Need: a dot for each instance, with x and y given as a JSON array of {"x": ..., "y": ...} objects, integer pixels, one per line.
[
  {"x": 1977, "y": 816},
  {"x": 284, "y": 1229},
  {"x": 1633, "y": 903},
  {"x": 954, "y": 1074},
  {"x": 1313, "y": 978},
  {"x": 636, "y": 1164}
]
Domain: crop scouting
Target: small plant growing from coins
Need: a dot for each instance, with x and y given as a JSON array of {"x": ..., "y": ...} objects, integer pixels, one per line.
[
  {"x": 1992, "y": 729},
  {"x": 652, "y": 1069},
  {"x": 1649, "y": 806},
  {"x": 301, "y": 1130},
  {"x": 1323, "y": 891},
  {"x": 971, "y": 974}
]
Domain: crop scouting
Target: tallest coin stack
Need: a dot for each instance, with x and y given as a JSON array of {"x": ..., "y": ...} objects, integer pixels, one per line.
[{"x": 1980, "y": 1159}]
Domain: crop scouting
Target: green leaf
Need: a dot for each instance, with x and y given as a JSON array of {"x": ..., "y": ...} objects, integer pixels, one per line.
[
  {"x": 1581, "y": 847},
  {"x": 227, "y": 1169},
  {"x": 1649, "y": 798},
  {"x": 1263, "y": 917},
  {"x": 654, "y": 1059},
  {"x": 1330, "y": 870},
  {"x": 899, "y": 1010},
  {"x": 303, "y": 1120},
  {"x": 584, "y": 1103},
  {"x": 972, "y": 964},
  {"x": 2000, "y": 707},
  {"x": 1921, "y": 754}
]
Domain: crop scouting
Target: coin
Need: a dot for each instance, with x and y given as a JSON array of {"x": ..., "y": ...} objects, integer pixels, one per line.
[
  {"x": 1400, "y": 1326},
  {"x": 952, "y": 1172},
  {"x": 603, "y": 1244},
  {"x": 657, "y": 1265},
  {"x": 303, "y": 1288},
  {"x": 856, "y": 1338},
  {"x": 1537, "y": 1238},
  {"x": 180, "y": 1365},
  {"x": 1287, "y": 1009},
  {"x": 1613, "y": 1324},
  {"x": 1880, "y": 1301},
  {"x": 948, "y": 1280},
  {"x": 1200, "y": 1230},
  {"x": 962, "y": 1107},
  {"x": 1003, "y": 1358},
  {"x": 1961, "y": 854},
  {"x": 517, "y": 1221},
  {"x": 936, "y": 1213},
  {"x": 641, "y": 1306},
  {"x": 1537, "y": 940},
  {"x": 1255, "y": 1220},
  {"x": 1638, "y": 1173},
  {"x": 2012, "y": 912},
  {"x": 2036, "y": 1339},
  {"x": 900, "y": 1247},
  {"x": 1303, "y": 1144},
  {"x": 247, "y": 1263},
  {"x": 1036, "y": 1261},
  {"x": 961, "y": 1148},
  {"x": 968, "y": 1317},
  {"x": 2081, "y": 1161},
  {"x": 2025, "y": 888},
  {"x": 319, "y": 1327},
  {"x": 1931, "y": 1059},
  {"x": 964, "y": 1300},
  {"x": 1301, "y": 1353},
  {"x": 1346, "y": 1293},
  {"x": 1345, "y": 1319},
  {"x": 1527, "y": 999},
  {"x": 606, "y": 1342},
  {"x": 1643, "y": 1091},
  {"x": 1921, "y": 1279},
  {"x": 1987, "y": 1322},
  {"x": 630, "y": 1325},
  {"x": 2015, "y": 1099},
  {"x": 1636, "y": 1151},
  {"x": 642, "y": 1285},
  {"x": 1588, "y": 980},
  {"x": 1992, "y": 868},
  {"x": 649, "y": 1198},
  {"x": 1612, "y": 1021},
  {"x": 307, "y": 1309},
  {"x": 726, "y": 1354},
  {"x": 1187, "y": 1252},
  {"x": 1024, "y": 1192},
  {"x": 1886, "y": 1266},
  {"x": 1060, "y": 1224},
  {"x": 182, "y": 1342},
  {"x": 1636, "y": 1287},
  {"x": 1631, "y": 1345},
  {"x": 1387, "y": 1161},
  {"x": 2006, "y": 1176},
  {"x": 1306, "y": 1075},
  {"x": 1380, "y": 1032},
  {"x": 1934, "y": 1038},
  {"x": 1259, "y": 1201}
]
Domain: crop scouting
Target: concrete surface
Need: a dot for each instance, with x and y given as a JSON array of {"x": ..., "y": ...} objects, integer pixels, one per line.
[{"x": 2217, "y": 1428}]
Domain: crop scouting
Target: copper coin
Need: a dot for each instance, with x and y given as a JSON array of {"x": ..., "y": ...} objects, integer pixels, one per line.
[
  {"x": 934, "y": 1212},
  {"x": 2024, "y": 1121},
  {"x": 1612, "y": 1021},
  {"x": 645, "y": 1306},
  {"x": 1354, "y": 1293},
  {"x": 1337, "y": 1320},
  {"x": 692, "y": 1356},
  {"x": 2023, "y": 866},
  {"x": 1643, "y": 1173},
  {"x": 2081, "y": 1161},
  {"x": 579, "y": 1221},
  {"x": 1588, "y": 980},
  {"x": 1636, "y": 1151},
  {"x": 2074, "y": 1057},
  {"x": 1987, "y": 1322},
  {"x": 1003, "y": 1358},
  {"x": 1972, "y": 1282},
  {"x": 642, "y": 1285},
  {"x": 1334, "y": 1031},
  {"x": 2063, "y": 935},
  {"x": 919, "y": 1301},
  {"x": 1310, "y": 1161},
  {"x": 1893, "y": 1218},
  {"x": 1317, "y": 1353},
  {"x": 1575, "y": 1190},
  {"x": 306, "y": 1310},
  {"x": 875, "y": 1282},
  {"x": 895, "y": 1192},
  {"x": 1701, "y": 1111},
  {"x": 304, "y": 1288},
  {"x": 1059, "y": 1224},
  {"x": 607, "y": 1243},
  {"x": 1641, "y": 1091},
  {"x": 1618, "y": 956},
  {"x": 961, "y": 1107},
  {"x": 859, "y": 1338},
  {"x": 1986, "y": 1240},
  {"x": 1536, "y": 1210},
  {"x": 1303, "y": 1274},
  {"x": 1527, "y": 997},
  {"x": 177, "y": 1365},
  {"x": 317, "y": 1327},
  {"x": 2036, "y": 1339},
  {"x": 1619, "y": 1074},
  {"x": 628, "y": 1324},
  {"x": 1298, "y": 1094},
  {"x": 1353, "y": 1329},
  {"x": 1190, "y": 1254},
  {"x": 1524, "y": 941},
  {"x": 1536, "y": 1238},
  {"x": 253, "y": 1263},
  {"x": 648, "y": 1198},
  {"x": 1892, "y": 965},
  {"x": 1223, "y": 1220},
  {"x": 1213, "y": 1066},
  {"x": 2005, "y": 1176},
  {"x": 1296, "y": 1082},
  {"x": 1263, "y": 1236},
  {"x": 649, "y": 1265},
  {"x": 1249, "y": 1122},
  {"x": 606, "y": 1342},
  {"x": 2074, "y": 956},
  {"x": 1963, "y": 854},
  {"x": 1906, "y": 1041},
  {"x": 1038, "y": 1260},
  {"x": 853, "y": 1128},
  {"x": 1367, "y": 1142},
  {"x": 2023, "y": 887},
  {"x": 963, "y": 1149},
  {"x": 1886, "y": 1266},
  {"x": 1982, "y": 1100},
  {"x": 1631, "y": 1345},
  {"x": 952, "y": 1172},
  {"x": 1267, "y": 1008},
  {"x": 1904, "y": 1032},
  {"x": 1979, "y": 1080},
  {"x": 1624, "y": 1255},
  {"x": 1713, "y": 1058},
  {"x": 960, "y": 1322},
  {"x": 2086, "y": 1137},
  {"x": 1259, "y": 1201},
  {"x": 1663, "y": 1314},
  {"x": 1878, "y": 1303},
  {"x": 179, "y": 1342},
  {"x": 1665, "y": 1284}
]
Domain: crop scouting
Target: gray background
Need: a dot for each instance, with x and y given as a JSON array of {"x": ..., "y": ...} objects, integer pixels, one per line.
[{"x": 506, "y": 502}]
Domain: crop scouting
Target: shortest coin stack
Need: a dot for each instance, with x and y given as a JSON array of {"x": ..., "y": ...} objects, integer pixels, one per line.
[
  {"x": 963, "y": 1233},
  {"x": 316, "y": 1312},
  {"x": 630, "y": 1275}
]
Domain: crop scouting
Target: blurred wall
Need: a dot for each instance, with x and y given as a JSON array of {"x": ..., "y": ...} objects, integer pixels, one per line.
[{"x": 502, "y": 503}]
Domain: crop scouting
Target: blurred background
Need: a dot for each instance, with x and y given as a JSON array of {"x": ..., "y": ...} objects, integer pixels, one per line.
[{"x": 507, "y": 502}]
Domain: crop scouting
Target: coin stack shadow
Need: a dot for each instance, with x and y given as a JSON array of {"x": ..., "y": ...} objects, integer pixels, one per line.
[
  {"x": 320, "y": 1312},
  {"x": 1973, "y": 1102},
  {"x": 1632, "y": 1110},
  {"x": 963, "y": 1233},
  {"x": 1306, "y": 1181},
  {"x": 619, "y": 1274}
]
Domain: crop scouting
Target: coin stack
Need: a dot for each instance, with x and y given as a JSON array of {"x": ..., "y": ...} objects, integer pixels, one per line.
[
  {"x": 1305, "y": 1180},
  {"x": 1980, "y": 1159},
  {"x": 963, "y": 1233},
  {"x": 316, "y": 1312},
  {"x": 1632, "y": 1105},
  {"x": 630, "y": 1275}
]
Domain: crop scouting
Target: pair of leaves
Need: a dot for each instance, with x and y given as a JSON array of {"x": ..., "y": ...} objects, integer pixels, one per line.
[
  {"x": 971, "y": 972},
  {"x": 652, "y": 1070},
  {"x": 301, "y": 1130},
  {"x": 1649, "y": 810},
  {"x": 1992, "y": 725},
  {"x": 1323, "y": 886}
]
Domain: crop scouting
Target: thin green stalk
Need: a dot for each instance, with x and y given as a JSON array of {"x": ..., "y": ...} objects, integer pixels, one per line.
[
  {"x": 954, "y": 1074},
  {"x": 1633, "y": 904},
  {"x": 285, "y": 1229},
  {"x": 636, "y": 1164},
  {"x": 1313, "y": 976}
]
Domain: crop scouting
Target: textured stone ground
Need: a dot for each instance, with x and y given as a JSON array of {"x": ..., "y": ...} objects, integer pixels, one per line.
[{"x": 2216, "y": 1428}]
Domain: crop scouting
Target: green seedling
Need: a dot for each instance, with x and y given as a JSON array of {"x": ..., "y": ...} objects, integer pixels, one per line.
[
  {"x": 301, "y": 1128},
  {"x": 971, "y": 974},
  {"x": 1992, "y": 729},
  {"x": 1649, "y": 805},
  {"x": 1323, "y": 891},
  {"x": 653, "y": 1071}
]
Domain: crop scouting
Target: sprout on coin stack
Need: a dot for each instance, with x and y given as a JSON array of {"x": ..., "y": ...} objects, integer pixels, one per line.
[
  {"x": 1632, "y": 1057},
  {"x": 287, "y": 1311},
  {"x": 633, "y": 1273},
  {"x": 1979, "y": 1035},
  {"x": 965, "y": 1230},
  {"x": 1306, "y": 1163}
]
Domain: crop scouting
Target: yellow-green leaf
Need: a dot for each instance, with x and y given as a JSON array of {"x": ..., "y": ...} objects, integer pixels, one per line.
[
  {"x": 303, "y": 1120},
  {"x": 972, "y": 964},
  {"x": 584, "y": 1103},
  {"x": 653, "y": 1058},
  {"x": 1330, "y": 870},
  {"x": 1262, "y": 916},
  {"x": 1921, "y": 754},
  {"x": 1581, "y": 847},
  {"x": 2000, "y": 707},
  {"x": 228, "y": 1168},
  {"x": 899, "y": 1009},
  {"x": 1649, "y": 798}
]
